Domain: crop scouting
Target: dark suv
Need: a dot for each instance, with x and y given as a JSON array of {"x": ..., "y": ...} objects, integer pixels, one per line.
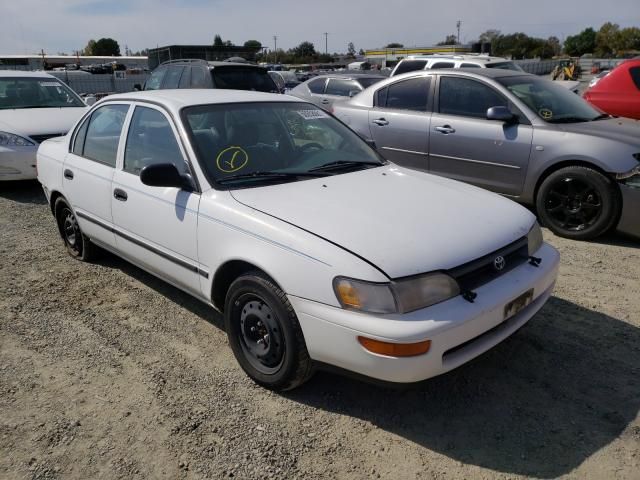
[{"x": 204, "y": 74}]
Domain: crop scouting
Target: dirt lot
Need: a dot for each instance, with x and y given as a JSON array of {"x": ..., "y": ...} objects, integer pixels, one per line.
[{"x": 106, "y": 372}]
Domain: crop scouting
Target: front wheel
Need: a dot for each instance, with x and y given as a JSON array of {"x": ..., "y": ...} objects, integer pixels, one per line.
[
  {"x": 578, "y": 202},
  {"x": 264, "y": 333}
]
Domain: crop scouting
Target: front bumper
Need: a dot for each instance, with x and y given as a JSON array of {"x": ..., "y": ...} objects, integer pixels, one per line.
[
  {"x": 18, "y": 163},
  {"x": 630, "y": 218},
  {"x": 459, "y": 331}
]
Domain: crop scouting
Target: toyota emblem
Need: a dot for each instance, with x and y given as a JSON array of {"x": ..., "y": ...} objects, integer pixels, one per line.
[{"x": 499, "y": 263}]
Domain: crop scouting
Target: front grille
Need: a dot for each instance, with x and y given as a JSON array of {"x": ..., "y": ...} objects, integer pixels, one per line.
[
  {"x": 46, "y": 136},
  {"x": 476, "y": 273}
]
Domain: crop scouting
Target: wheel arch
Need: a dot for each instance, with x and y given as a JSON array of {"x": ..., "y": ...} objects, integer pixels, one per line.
[
  {"x": 563, "y": 164},
  {"x": 226, "y": 274},
  {"x": 55, "y": 195}
]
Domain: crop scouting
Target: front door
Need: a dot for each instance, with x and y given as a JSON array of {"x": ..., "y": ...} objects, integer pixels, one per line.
[
  {"x": 156, "y": 227},
  {"x": 465, "y": 146},
  {"x": 399, "y": 122}
]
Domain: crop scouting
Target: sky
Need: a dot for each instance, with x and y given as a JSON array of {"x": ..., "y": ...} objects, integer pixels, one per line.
[{"x": 27, "y": 26}]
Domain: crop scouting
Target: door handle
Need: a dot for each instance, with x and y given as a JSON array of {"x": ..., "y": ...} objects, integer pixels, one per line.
[
  {"x": 325, "y": 101},
  {"x": 446, "y": 129},
  {"x": 120, "y": 194},
  {"x": 68, "y": 174},
  {"x": 381, "y": 121}
]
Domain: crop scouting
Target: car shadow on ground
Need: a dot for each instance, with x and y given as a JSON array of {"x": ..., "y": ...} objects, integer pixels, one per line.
[
  {"x": 538, "y": 404},
  {"x": 23, "y": 191}
]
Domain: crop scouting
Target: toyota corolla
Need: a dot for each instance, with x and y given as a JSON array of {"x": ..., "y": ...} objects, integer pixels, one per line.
[{"x": 316, "y": 250}]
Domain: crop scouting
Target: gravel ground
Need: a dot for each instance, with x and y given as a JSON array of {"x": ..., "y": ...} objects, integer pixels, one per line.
[{"x": 106, "y": 372}]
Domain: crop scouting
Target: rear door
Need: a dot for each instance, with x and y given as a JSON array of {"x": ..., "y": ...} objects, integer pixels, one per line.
[
  {"x": 464, "y": 145},
  {"x": 316, "y": 90},
  {"x": 338, "y": 89},
  {"x": 399, "y": 122},
  {"x": 89, "y": 168}
]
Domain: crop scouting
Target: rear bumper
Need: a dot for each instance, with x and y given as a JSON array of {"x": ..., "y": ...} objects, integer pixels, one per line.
[
  {"x": 630, "y": 219},
  {"x": 18, "y": 163},
  {"x": 459, "y": 331}
]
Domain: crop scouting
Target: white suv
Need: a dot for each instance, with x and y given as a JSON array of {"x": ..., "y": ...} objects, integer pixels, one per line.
[{"x": 428, "y": 62}]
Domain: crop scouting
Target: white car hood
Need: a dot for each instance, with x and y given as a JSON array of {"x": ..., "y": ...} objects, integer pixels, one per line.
[
  {"x": 403, "y": 221},
  {"x": 40, "y": 121}
]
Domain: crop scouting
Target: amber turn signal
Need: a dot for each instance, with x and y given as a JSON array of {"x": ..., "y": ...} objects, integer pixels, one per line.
[{"x": 395, "y": 349}]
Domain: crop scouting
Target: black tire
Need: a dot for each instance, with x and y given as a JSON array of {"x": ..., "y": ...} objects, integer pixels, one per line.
[
  {"x": 257, "y": 310},
  {"x": 578, "y": 202},
  {"x": 77, "y": 243}
]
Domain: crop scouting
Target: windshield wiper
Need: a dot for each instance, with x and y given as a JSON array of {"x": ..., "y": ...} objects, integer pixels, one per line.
[
  {"x": 342, "y": 164},
  {"x": 269, "y": 175},
  {"x": 602, "y": 116},
  {"x": 569, "y": 120}
]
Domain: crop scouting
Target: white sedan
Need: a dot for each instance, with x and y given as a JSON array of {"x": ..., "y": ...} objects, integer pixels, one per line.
[
  {"x": 34, "y": 106},
  {"x": 316, "y": 250}
]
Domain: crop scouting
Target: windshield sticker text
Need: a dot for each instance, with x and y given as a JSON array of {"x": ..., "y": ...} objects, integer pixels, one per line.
[{"x": 312, "y": 114}]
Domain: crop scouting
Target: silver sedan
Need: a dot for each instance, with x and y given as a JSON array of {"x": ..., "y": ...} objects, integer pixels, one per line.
[
  {"x": 513, "y": 133},
  {"x": 325, "y": 90}
]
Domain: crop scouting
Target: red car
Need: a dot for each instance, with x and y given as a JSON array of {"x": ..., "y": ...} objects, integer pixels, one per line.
[{"x": 619, "y": 92}]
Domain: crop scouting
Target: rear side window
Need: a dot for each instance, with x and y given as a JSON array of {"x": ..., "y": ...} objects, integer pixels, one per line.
[
  {"x": 443, "y": 65},
  {"x": 317, "y": 85},
  {"x": 172, "y": 78},
  {"x": 185, "y": 79},
  {"x": 470, "y": 65},
  {"x": 411, "y": 94},
  {"x": 155, "y": 80},
  {"x": 505, "y": 66},
  {"x": 469, "y": 98},
  {"x": 338, "y": 86},
  {"x": 410, "y": 66},
  {"x": 243, "y": 78},
  {"x": 103, "y": 134},
  {"x": 198, "y": 77},
  {"x": 635, "y": 76}
]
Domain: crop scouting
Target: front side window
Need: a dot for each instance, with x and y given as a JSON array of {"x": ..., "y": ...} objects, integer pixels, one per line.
[
  {"x": 469, "y": 98},
  {"x": 247, "y": 144},
  {"x": 103, "y": 134},
  {"x": 411, "y": 94},
  {"x": 151, "y": 141},
  {"x": 317, "y": 85},
  {"x": 155, "y": 80},
  {"x": 36, "y": 92},
  {"x": 341, "y": 87}
]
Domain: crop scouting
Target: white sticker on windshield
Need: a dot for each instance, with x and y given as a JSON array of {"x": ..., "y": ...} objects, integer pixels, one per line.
[
  {"x": 49, "y": 84},
  {"x": 312, "y": 114}
]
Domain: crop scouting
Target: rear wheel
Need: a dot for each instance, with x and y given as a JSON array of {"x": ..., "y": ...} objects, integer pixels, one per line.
[
  {"x": 578, "y": 202},
  {"x": 77, "y": 244},
  {"x": 264, "y": 333}
]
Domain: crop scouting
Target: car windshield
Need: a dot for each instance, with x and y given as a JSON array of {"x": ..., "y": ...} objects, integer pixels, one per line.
[
  {"x": 553, "y": 103},
  {"x": 243, "y": 78},
  {"x": 36, "y": 92},
  {"x": 247, "y": 144},
  {"x": 368, "y": 81}
]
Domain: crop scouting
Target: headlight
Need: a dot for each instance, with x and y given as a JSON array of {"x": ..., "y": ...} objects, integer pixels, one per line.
[
  {"x": 534, "y": 239},
  {"x": 400, "y": 296},
  {"x": 13, "y": 140}
]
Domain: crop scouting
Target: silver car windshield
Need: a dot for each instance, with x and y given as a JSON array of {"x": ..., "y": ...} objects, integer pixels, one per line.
[
  {"x": 248, "y": 144},
  {"x": 553, "y": 103},
  {"x": 36, "y": 92}
]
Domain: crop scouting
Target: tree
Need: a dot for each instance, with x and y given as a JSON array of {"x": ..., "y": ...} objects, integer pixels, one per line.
[
  {"x": 489, "y": 36},
  {"x": 304, "y": 50},
  {"x": 217, "y": 41},
  {"x": 253, "y": 44},
  {"x": 361, "y": 52},
  {"x": 583, "y": 42},
  {"x": 351, "y": 50},
  {"x": 629, "y": 39},
  {"x": 553, "y": 44},
  {"x": 607, "y": 40},
  {"x": 394, "y": 45},
  {"x": 450, "y": 40},
  {"x": 89, "y": 49},
  {"x": 106, "y": 47}
]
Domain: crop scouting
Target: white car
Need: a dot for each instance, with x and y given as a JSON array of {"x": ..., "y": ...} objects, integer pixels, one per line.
[
  {"x": 316, "y": 250},
  {"x": 34, "y": 106}
]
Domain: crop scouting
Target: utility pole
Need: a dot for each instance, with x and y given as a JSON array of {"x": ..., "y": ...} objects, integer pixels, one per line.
[
  {"x": 458, "y": 23},
  {"x": 275, "y": 49},
  {"x": 326, "y": 43}
]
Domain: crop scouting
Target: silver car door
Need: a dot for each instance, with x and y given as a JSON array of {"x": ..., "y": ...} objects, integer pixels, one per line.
[
  {"x": 399, "y": 121},
  {"x": 316, "y": 90},
  {"x": 466, "y": 146}
]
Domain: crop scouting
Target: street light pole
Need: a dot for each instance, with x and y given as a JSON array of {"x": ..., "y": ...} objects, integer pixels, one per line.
[
  {"x": 275, "y": 49},
  {"x": 326, "y": 43},
  {"x": 458, "y": 27}
]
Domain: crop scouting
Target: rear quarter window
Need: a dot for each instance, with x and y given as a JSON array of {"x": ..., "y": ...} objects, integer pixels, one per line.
[
  {"x": 635, "y": 76},
  {"x": 410, "y": 66},
  {"x": 243, "y": 78}
]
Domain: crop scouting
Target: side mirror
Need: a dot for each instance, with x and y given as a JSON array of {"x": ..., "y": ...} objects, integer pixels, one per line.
[
  {"x": 165, "y": 175},
  {"x": 90, "y": 100},
  {"x": 137, "y": 87},
  {"x": 353, "y": 93},
  {"x": 501, "y": 114}
]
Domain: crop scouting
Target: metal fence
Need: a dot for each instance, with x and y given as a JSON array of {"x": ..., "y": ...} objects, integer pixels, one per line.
[
  {"x": 100, "y": 84},
  {"x": 539, "y": 67}
]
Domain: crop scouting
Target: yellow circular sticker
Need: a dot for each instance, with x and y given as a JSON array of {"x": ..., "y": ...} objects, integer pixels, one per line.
[
  {"x": 232, "y": 159},
  {"x": 546, "y": 113}
]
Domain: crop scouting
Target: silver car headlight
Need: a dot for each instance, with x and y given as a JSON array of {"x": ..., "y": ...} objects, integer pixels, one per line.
[
  {"x": 534, "y": 238},
  {"x": 400, "y": 296},
  {"x": 13, "y": 140}
]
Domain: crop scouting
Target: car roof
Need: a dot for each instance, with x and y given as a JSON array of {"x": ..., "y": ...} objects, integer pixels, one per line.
[
  {"x": 348, "y": 76},
  {"x": 179, "y": 98},
  {"x": 24, "y": 73},
  {"x": 467, "y": 58},
  {"x": 210, "y": 63}
]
